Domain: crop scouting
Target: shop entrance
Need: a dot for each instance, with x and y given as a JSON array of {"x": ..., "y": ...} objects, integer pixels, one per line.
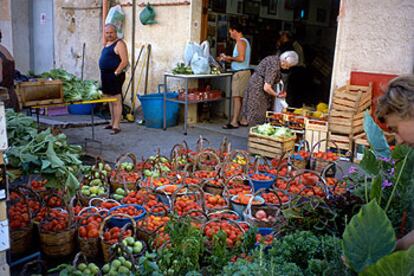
[{"x": 312, "y": 24}]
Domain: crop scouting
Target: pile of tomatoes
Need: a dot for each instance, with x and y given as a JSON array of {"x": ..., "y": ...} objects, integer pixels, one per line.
[
  {"x": 184, "y": 204},
  {"x": 266, "y": 240},
  {"x": 19, "y": 215},
  {"x": 214, "y": 201},
  {"x": 224, "y": 215},
  {"x": 89, "y": 226},
  {"x": 59, "y": 221},
  {"x": 153, "y": 223},
  {"x": 245, "y": 199},
  {"x": 261, "y": 177},
  {"x": 112, "y": 235},
  {"x": 39, "y": 185},
  {"x": 205, "y": 174},
  {"x": 129, "y": 210},
  {"x": 234, "y": 233},
  {"x": 328, "y": 156},
  {"x": 156, "y": 182},
  {"x": 275, "y": 199}
]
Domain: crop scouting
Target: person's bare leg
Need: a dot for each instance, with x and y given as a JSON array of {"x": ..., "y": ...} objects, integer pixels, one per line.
[
  {"x": 117, "y": 112},
  {"x": 111, "y": 111},
  {"x": 237, "y": 102}
]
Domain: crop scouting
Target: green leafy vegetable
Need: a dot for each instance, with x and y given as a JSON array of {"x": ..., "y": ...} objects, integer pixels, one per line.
[{"x": 368, "y": 237}]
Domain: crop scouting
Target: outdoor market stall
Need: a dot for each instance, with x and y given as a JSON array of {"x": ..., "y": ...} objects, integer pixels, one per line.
[{"x": 206, "y": 211}]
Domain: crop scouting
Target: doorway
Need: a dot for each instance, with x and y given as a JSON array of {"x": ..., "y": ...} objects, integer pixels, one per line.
[
  {"x": 42, "y": 46},
  {"x": 312, "y": 23}
]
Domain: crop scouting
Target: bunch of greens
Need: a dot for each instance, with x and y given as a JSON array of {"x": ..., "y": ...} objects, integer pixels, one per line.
[
  {"x": 299, "y": 253},
  {"x": 50, "y": 156},
  {"x": 181, "y": 69},
  {"x": 74, "y": 88},
  {"x": 184, "y": 251},
  {"x": 269, "y": 130},
  {"x": 20, "y": 128}
]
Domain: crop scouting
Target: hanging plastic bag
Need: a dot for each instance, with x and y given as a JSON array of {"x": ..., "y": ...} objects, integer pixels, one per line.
[
  {"x": 280, "y": 103},
  {"x": 200, "y": 64},
  {"x": 147, "y": 15},
  {"x": 116, "y": 17}
]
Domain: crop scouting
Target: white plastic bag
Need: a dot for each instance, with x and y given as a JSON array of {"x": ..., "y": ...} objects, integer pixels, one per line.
[
  {"x": 280, "y": 103},
  {"x": 190, "y": 49},
  {"x": 200, "y": 64},
  {"x": 116, "y": 17}
]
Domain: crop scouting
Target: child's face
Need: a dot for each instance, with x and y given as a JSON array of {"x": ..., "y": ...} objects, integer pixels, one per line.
[{"x": 403, "y": 128}]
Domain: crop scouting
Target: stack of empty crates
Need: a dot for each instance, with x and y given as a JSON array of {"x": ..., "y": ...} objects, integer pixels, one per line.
[{"x": 346, "y": 115}]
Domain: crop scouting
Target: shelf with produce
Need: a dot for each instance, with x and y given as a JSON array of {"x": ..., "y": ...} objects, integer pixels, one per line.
[{"x": 196, "y": 101}]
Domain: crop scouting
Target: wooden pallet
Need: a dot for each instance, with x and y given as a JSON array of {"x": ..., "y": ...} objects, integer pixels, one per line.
[
  {"x": 315, "y": 131},
  {"x": 271, "y": 147}
]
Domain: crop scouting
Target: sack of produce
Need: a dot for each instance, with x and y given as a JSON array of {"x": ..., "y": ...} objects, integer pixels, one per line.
[
  {"x": 147, "y": 15},
  {"x": 200, "y": 64}
]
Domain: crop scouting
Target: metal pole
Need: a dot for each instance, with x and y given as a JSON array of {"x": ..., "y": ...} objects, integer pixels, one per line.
[
  {"x": 146, "y": 73},
  {"x": 134, "y": 11},
  {"x": 83, "y": 60}
]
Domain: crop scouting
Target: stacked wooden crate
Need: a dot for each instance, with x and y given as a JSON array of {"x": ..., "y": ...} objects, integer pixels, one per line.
[{"x": 346, "y": 115}]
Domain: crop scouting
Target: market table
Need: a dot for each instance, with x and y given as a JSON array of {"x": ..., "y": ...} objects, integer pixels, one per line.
[
  {"x": 103, "y": 100},
  {"x": 186, "y": 79}
]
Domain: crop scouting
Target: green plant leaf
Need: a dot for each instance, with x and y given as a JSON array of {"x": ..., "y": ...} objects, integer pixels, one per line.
[
  {"x": 369, "y": 163},
  {"x": 400, "y": 263},
  {"x": 53, "y": 158},
  {"x": 376, "y": 189},
  {"x": 376, "y": 137},
  {"x": 368, "y": 237}
]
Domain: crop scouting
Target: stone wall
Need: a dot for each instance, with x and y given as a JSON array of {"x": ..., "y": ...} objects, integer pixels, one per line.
[{"x": 374, "y": 36}]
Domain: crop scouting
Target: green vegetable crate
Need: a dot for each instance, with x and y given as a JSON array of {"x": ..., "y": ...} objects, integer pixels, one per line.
[
  {"x": 40, "y": 92},
  {"x": 269, "y": 146}
]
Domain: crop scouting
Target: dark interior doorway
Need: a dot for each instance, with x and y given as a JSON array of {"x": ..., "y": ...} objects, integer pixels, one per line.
[{"x": 312, "y": 23}]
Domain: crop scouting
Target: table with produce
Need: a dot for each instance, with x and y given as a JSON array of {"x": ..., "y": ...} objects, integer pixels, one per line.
[{"x": 207, "y": 211}]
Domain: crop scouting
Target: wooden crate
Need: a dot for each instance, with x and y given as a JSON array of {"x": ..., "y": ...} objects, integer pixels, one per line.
[
  {"x": 344, "y": 142},
  {"x": 271, "y": 147},
  {"x": 315, "y": 131},
  {"x": 40, "y": 92},
  {"x": 276, "y": 118}
]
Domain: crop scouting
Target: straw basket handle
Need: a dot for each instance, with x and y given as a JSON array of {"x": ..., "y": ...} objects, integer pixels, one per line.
[
  {"x": 105, "y": 221},
  {"x": 322, "y": 180},
  {"x": 318, "y": 144},
  {"x": 125, "y": 157}
]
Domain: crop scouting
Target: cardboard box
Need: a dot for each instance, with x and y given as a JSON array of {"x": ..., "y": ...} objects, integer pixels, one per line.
[{"x": 4, "y": 235}]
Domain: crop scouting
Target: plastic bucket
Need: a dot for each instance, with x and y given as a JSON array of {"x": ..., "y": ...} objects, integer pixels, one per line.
[
  {"x": 152, "y": 106},
  {"x": 261, "y": 184},
  {"x": 81, "y": 109},
  {"x": 120, "y": 222}
]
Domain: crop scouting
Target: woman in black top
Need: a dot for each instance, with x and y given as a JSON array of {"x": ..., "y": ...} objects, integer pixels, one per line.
[{"x": 112, "y": 63}]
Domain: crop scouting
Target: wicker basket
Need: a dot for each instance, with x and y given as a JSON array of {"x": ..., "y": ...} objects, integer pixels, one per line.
[
  {"x": 118, "y": 182},
  {"x": 318, "y": 164},
  {"x": 89, "y": 247},
  {"x": 21, "y": 240},
  {"x": 58, "y": 244},
  {"x": 106, "y": 247}
]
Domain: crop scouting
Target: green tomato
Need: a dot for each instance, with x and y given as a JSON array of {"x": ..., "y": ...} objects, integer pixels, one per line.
[
  {"x": 82, "y": 266},
  {"x": 93, "y": 268},
  {"x": 106, "y": 268},
  {"x": 113, "y": 272},
  {"x": 117, "y": 197},
  {"x": 128, "y": 264},
  {"x": 120, "y": 191},
  {"x": 122, "y": 259},
  {"x": 87, "y": 272},
  {"x": 130, "y": 241},
  {"x": 138, "y": 246},
  {"x": 123, "y": 269},
  {"x": 86, "y": 192},
  {"x": 116, "y": 263}
]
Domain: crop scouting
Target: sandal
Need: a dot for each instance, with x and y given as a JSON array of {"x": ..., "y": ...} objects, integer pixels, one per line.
[
  {"x": 230, "y": 126},
  {"x": 115, "y": 131},
  {"x": 243, "y": 125},
  {"x": 108, "y": 127}
]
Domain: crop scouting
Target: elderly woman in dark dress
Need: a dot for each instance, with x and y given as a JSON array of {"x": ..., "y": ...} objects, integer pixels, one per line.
[{"x": 260, "y": 95}]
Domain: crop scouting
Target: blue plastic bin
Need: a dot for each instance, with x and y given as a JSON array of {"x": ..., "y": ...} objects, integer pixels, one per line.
[
  {"x": 152, "y": 106},
  {"x": 262, "y": 184},
  {"x": 120, "y": 222},
  {"x": 81, "y": 109}
]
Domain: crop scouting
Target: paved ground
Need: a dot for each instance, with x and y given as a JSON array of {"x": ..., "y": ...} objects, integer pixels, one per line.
[{"x": 141, "y": 140}]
